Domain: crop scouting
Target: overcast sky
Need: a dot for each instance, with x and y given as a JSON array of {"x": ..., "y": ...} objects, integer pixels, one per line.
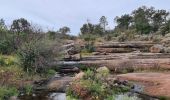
[{"x": 53, "y": 14}]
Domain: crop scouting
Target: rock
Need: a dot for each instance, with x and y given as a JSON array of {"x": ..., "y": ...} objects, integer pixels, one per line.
[
  {"x": 166, "y": 41},
  {"x": 167, "y": 50},
  {"x": 59, "y": 85},
  {"x": 76, "y": 57},
  {"x": 72, "y": 51},
  {"x": 114, "y": 50},
  {"x": 157, "y": 49},
  {"x": 79, "y": 76},
  {"x": 155, "y": 83},
  {"x": 13, "y": 98},
  {"x": 96, "y": 53},
  {"x": 67, "y": 57},
  {"x": 69, "y": 70}
]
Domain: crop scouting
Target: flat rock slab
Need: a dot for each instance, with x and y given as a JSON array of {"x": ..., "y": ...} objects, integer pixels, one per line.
[{"x": 155, "y": 84}]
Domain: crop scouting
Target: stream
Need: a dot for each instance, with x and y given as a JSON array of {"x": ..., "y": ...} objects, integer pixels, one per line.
[{"x": 135, "y": 93}]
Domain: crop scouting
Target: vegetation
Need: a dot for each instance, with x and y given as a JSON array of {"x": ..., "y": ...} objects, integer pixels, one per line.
[
  {"x": 142, "y": 21},
  {"x": 94, "y": 87},
  {"x": 26, "y": 51}
]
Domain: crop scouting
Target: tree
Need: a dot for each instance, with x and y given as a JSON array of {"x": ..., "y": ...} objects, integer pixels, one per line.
[
  {"x": 142, "y": 19},
  {"x": 98, "y": 30},
  {"x": 51, "y": 35},
  {"x": 2, "y": 25},
  {"x": 103, "y": 23},
  {"x": 20, "y": 25},
  {"x": 64, "y": 30},
  {"x": 165, "y": 29},
  {"x": 87, "y": 28},
  {"x": 124, "y": 21},
  {"x": 159, "y": 18}
]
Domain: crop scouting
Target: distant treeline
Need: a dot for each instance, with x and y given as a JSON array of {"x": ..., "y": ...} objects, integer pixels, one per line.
[{"x": 143, "y": 20}]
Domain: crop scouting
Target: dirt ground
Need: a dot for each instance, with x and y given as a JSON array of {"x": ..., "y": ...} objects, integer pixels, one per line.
[{"x": 155, "y": 84}]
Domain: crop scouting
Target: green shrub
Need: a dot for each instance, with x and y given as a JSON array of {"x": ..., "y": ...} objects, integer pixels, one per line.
[
  {"x": 7, "y": 60},
  {"x": 6, "y": 46},
  {"x": 35, "y": 55},
  {"x": 89, "y": 74},
  {"x": 7, "y": 92},
  {"x": 51, "y": 72},
  {"x": 28, "y": 89}
]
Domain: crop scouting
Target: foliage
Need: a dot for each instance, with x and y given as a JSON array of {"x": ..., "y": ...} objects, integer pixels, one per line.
[
  {"x": 7, "y": 92},
  {"x": 123, "y": 22},
  {"x": 103, "y": 23},
  {"x": 20, "y": 25},
  {"x": 94, "y": 88},
  {"x": 89, "y": 43},
  {"x": 34, "y": 55},
  {"x": 28, "y": 89},
  {"x": 64, "y": 30},
  {"x": 51, "y": 72},
  {"x": 6, "y": 39},
  {"x": 144, "y": 20}
]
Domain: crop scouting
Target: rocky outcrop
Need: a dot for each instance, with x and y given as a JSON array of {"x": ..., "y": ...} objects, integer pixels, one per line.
[
  {"x": 117, "y": 61},
  {"x": 155, "y": 84},
  {"x": 124, "y": 47},
  {"x": 114, "y": 50},
  {"x": 76, "y": 57}
]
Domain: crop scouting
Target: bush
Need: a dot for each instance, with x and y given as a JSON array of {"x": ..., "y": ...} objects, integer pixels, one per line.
[
  {"x": 95, "y": 88},
  {"x": 35, "y": 55},
  {"x": 7, "y": 60},
  {"x": 6, "y": 46},
  {"x": 7, "y": 92}
]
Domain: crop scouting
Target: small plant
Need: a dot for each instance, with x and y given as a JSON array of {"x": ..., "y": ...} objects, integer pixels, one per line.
[
  {"x": 89, "y": 74},
  {"x": 28, "y": 89},
  {"x": 51, "y": 72}
]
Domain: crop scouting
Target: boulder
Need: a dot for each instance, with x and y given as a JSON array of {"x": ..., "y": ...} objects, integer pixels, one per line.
[
  {"x": 157, "y": 49},
  {"x": 59, "y": 85}
]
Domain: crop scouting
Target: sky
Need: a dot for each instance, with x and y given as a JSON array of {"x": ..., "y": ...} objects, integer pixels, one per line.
[{"x": 54, "y": 14}]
